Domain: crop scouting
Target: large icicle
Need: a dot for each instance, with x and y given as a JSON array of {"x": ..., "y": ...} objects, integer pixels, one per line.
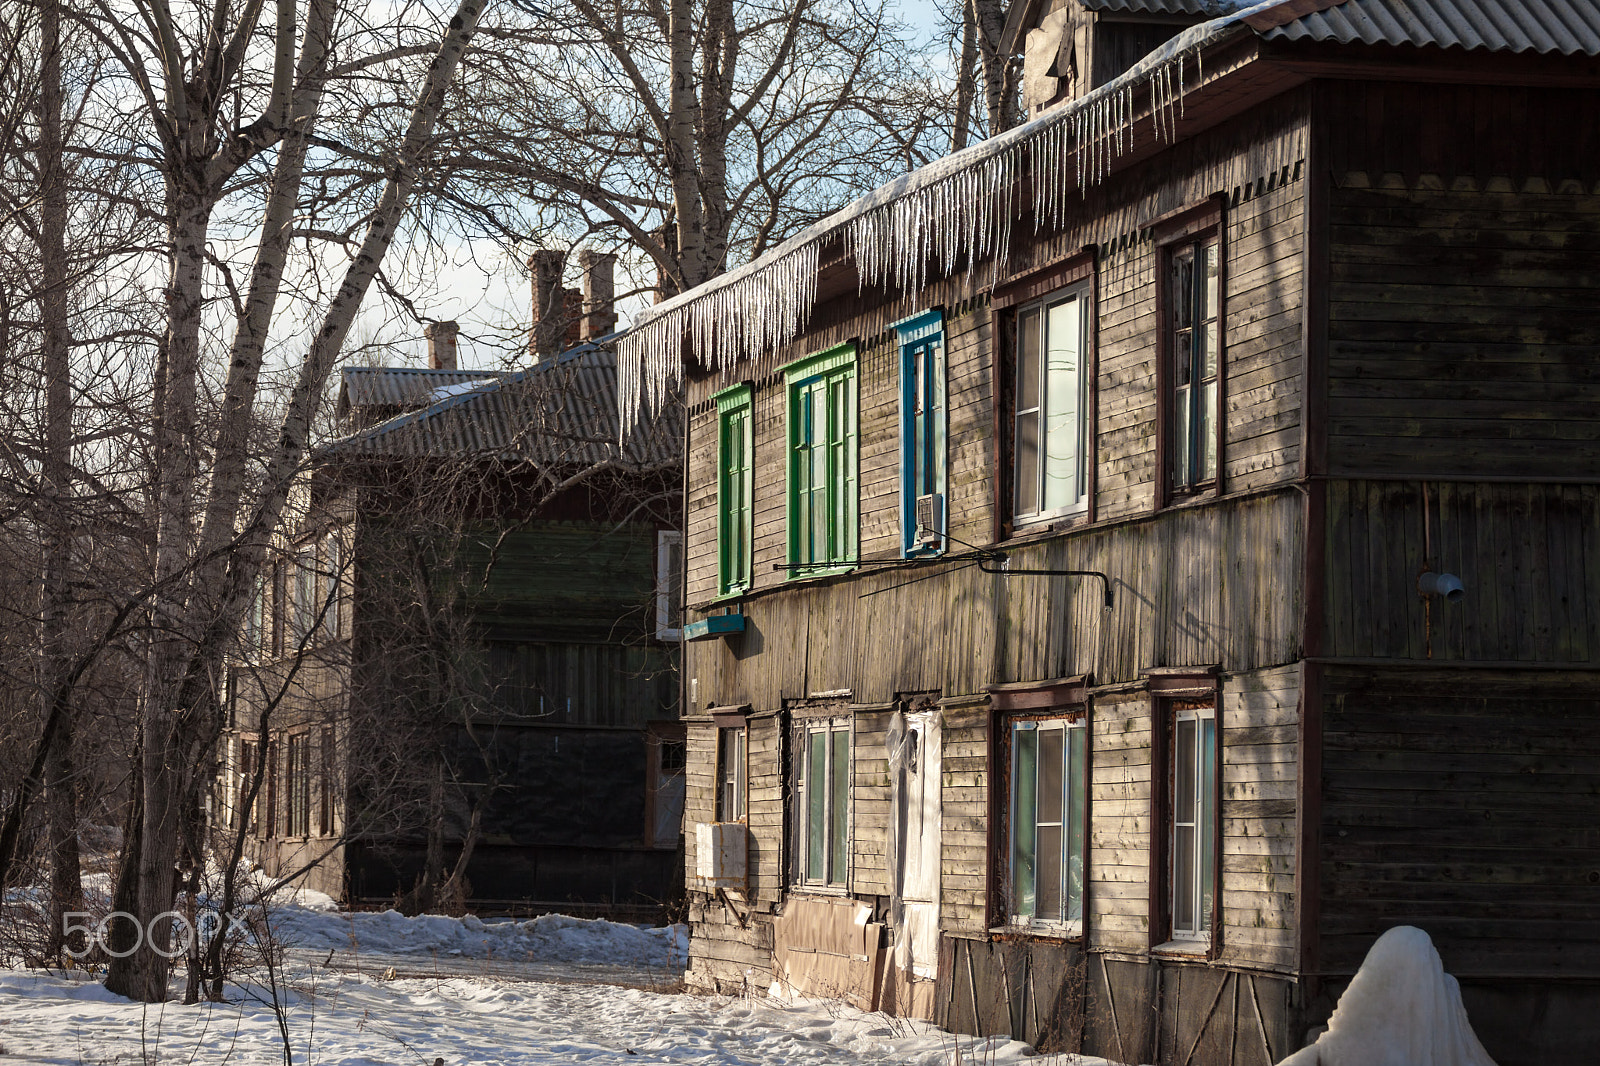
[{"x": 959, "y": 208}]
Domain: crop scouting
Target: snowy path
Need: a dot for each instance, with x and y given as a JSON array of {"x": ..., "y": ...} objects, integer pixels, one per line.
[{"x": 349, "y": 1020}]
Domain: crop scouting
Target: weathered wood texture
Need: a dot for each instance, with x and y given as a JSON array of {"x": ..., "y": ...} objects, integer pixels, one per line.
[
  {"x": 1192, "y": 585},
  {"x": 1260, "y": 726},
  {"x": 1120, "y": 824},
  {"x": 727, "y": 955},
  {"x": 1462, "y": 330},
  {"x": 869, "y": 806},
  {"x": 964, "y": 799},
  {"x": 1462, "y": 803},
  {"x": 1476, "y": 131},
  {"x": 1528, "y": 554}
]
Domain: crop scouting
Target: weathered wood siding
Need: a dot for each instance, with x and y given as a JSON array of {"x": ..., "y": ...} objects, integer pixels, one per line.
[
  {"x": 1528, "y": 555},
  {"x": 964, "y": 799},
  {"x": 1260, "y": 721},
  {"x": 1462, "y": 803},
  {"x": 1463, "y": 322},
  {"x": 1120, "y": 815},
  {"x": 869, "y": 806}
]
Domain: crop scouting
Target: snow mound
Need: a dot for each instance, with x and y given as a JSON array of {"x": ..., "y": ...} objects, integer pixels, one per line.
[
  {"x": 1401, "y": 1009},
  {"x": 314, "y": 923}
]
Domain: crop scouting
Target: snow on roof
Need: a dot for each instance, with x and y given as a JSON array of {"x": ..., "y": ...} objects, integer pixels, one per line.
[{"x": 956, "y": 208}]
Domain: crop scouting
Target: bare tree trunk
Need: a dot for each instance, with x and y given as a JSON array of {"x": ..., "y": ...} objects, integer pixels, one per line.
[
  {"x": 66, "y": 886},
  {"x": 999, "y": 70},
  {"x": 682, "y": 160},
  {"x": 191, "y": 633},
  {"x": 966, "y": 80}
]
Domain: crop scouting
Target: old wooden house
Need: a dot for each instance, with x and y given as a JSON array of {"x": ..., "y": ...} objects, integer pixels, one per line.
[
  {"x": 1137, "y": 560},
  {"x": 471, "y": 644}
]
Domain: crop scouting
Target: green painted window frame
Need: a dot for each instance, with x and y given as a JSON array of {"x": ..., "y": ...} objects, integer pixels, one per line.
[
  {"x": 823, "y": 502},
  {"x": 735, "y": 489}
]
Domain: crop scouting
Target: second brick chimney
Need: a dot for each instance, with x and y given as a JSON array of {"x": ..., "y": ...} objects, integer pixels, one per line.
[{"x": 442, "y": 338}]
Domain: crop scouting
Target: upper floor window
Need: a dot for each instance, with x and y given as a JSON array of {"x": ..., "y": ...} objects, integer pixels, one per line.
[
  {"x": 922, "y": 433},
  {"x": 822, "y": 460},
  {"x": 1050, "y": 407},
  {"x": 1192, "y": 351},
  {"x": 735, "y": 487},
  {"x": 669, "y": 584},
  {"x": 331, "y": 564}
]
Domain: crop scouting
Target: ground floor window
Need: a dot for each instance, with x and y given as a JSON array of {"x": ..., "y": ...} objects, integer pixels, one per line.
[
  {"x": 731, "y": 762},
  {"x": 1049, "y": 817},
  {"x": 1194, "y": 816},
  {"x": 823, "y": 801}
]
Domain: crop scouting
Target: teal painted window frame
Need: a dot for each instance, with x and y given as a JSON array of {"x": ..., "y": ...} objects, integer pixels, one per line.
[
  {"x": 735, "y": 489},
  {"x": 924, "y": 422},
  {"x": 823, "y": 502}
]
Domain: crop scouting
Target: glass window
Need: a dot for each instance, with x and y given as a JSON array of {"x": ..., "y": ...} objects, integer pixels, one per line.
[
  {"x": 1194, "y": 798},
  {"x": 922, "y": 432},
  {"x": 824, "y": 802},
  {"x": 822, "y": 461},
  {"x": 735, "y": 487},
  {"x": 330, "y": 587},
  {"x": 297, "y": 779},
  {"x": 731, "y": 762},
  {"x": 1051, "y": 417},
  {"x": 669, "y": 585},
  {"x": 1049, "y": 810},
  {"x": 1194, "y": 350}
]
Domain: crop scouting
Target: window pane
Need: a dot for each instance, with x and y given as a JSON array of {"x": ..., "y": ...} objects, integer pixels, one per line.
[
  {"x": 1208, "y": 315},
  {"x": 1028, "y": 463},
  {"x": 816, "y": 805},
  {"x": 1183, "y": 879},
  {"x": 839, "y": 828},
  {"x": 1077, "y": 800},
  {"x": 1183, "y": 771},
  {"x": 1024, "y": 776},
  {"x": 1051, "y": 752},
  {"x": 1049, "y": 845},
  {"x": 1180, "y": 437},
  {"x": 1207, "y": 431},
  {"x": 1028, "y": 361},
  {"x": 1063, "y": 389},
  {"x": 1206, "y": 829}
]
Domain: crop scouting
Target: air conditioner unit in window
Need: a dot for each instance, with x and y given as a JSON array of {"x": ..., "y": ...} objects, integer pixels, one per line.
[
  {"x": 930, "y": 521},
  {"x": 720, "y": 849}
]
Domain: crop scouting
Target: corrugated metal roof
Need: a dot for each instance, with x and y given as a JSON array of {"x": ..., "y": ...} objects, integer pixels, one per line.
[
  {"x": 1200, "y": 8},
  {"x": 400, "y": 386},
  {"x": 1570, "y": 27},
  {"x": 563, "y": 412}
]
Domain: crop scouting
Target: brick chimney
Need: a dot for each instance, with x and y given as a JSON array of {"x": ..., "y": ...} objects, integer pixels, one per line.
[
  {"x": 599, "y": 294},
  {"x": 549, "y": 302},
  {"x": 442, "y": 344}
]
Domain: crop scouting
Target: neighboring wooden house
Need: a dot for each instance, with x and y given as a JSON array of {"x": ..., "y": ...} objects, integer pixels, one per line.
[
  {"x": 1057, "y": 526},
  {"x": 475, "y": 634}
]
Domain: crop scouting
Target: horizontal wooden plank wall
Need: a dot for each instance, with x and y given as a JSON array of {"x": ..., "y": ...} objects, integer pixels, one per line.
[
  {"x": 767, "y": 800},
  {"x": 1463, "y": 803},
  {"x": 869, "y": 806},
  {"x": 1193, "y": 585},
  {"x": 964, "y": 815},
  {"x": 1119, "y": 824},
  {"x": 1462, "y": 329},
  {"x": 1260, "y": 725},
  {"x": 1528, "y": 555}
]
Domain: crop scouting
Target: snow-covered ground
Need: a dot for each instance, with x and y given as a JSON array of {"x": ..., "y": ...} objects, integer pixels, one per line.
[{"x": 352, "y": 1012}]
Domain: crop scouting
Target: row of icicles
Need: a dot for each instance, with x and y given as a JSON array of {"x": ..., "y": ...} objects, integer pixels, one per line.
[{"x": 960, "y": 217}]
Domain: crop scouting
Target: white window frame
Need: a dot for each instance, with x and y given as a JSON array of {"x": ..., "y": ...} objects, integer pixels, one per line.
[
  {"x": 1192, "y": 892},
  {"x": 835, "y": 825},
  {"x": 1071, "y": 818},
  {"x": 669, "y": 584},
  {"x": 733, "y": 760},
  {"x": 1041, "y": 413}
]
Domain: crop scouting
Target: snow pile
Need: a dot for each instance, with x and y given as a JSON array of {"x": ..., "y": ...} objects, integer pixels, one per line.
[
  {"x": 352, "y": 1020},
  {"x": 1401, "y": 1009},
  {"x": 312, "y": 922}
]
